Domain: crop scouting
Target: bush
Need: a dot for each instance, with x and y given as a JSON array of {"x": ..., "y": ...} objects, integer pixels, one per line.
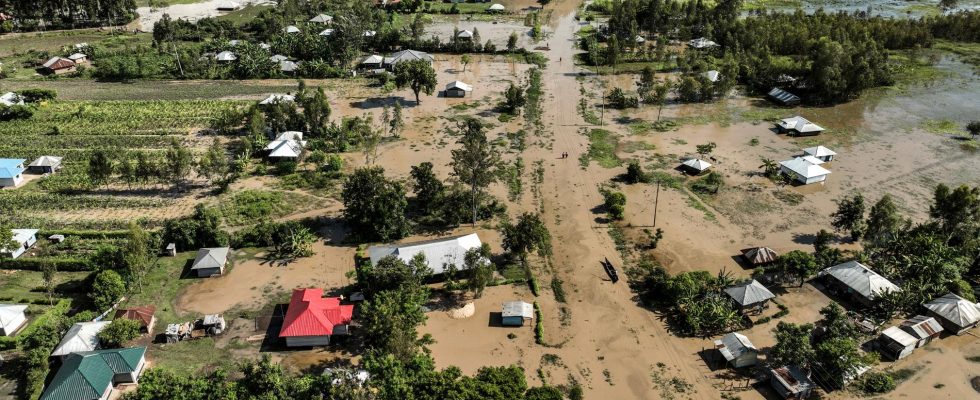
[
  {"x": 615, "y": 203},
  {"x": 635, "y": 173},
  {"x": 119, "y": 331},
  {"x": 60, "y": 263},
  {"x": 37, "y": 95},
  {"x": 877, "y": 382},
  {"x": 538, "y": 325},
  {"x": 107, "y": 287}
]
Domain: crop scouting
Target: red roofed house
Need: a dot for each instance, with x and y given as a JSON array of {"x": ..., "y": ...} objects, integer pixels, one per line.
[
  {"x": 311, "y": 318},
  {"x": 143, "y": 315}
]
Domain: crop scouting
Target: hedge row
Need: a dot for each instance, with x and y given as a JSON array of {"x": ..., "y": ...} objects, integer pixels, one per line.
[
  {"x": 84, "y": 234},
  {"x": 60, "y": 263}
]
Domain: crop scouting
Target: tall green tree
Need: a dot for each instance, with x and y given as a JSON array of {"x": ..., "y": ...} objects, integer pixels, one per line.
[
  {"x": 118, "y": 332},
  {"x": 107, "y": 287},
  {"x": 417, "y": 75},
  {"x": 137, "y": 254},
  {"x": 884, "y": 220},
  {"x": 477, "y": 262},
  {"x": 849, "y": 216},
  {"x": 527, "y": 235},
  {"x": 178, "y": 161},
  {"x": 476, "y": 163},
  {"x": 214, "y": 164},
  {"x": 792, "y": 345},
  {"x": 100, "y": 166},
  {"x": 428, "y": 188},
  {"x": 374, "y": 207}
]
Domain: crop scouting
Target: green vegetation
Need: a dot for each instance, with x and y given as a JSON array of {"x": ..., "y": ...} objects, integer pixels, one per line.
[
  {"x": 249, "y": 206},
  {"x": 602, "y": 149}
]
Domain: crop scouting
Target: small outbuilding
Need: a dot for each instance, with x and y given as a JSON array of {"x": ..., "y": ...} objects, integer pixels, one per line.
[
  {"x": 702, "y": 43},
  {"x": 11, "y": 172},
  {"x": 819, "y": 152},
  {"x": 750, "y": 296},
  {"x": 798, "y": 126},
  {"x": 83, "y": 336},
  {"x": 515, "y": 313},
  {"x": 11, "y": 99},
  {"x": 757, "y": 256},
  {"x": 370, "y": 34},
  {"x": 170, "y": 250},
  {"x": 804, "y": 171},
  {"x": 144, "y": 315},
  {"x": 24, "y": 239},
  {"x": 326, "y": 32},
  {"x": 896, "y": 343},
  {"x": 373, "y": 61},
  {"x": 695, "y": 166},
  {"x": 737, "y": 350},
  {"x": 458, "y": 89},
  {"x": 291, "y": 29},
  {"x": 956, "y": 314},
  {"x": 45, "y": 165},
  {"x": 790, "y": 382},
  {"x": 496, "y": 8},
  {"x": 288, "y": 67},
  {"x": 858, "y": 282},
  {"x": 287, "y": 146},
  {"x": 58, "y": 66},
  {"x": 922, "y": 328},
  {"x": 210, "y": 261},
  {"x": 321, "y": 19},
  {"x": 464, "y": 35},
  {"x": 277, "y": 98},
  {"x": 225, "y": 56},
  {"x": 407, "y": 55},
  {"x": 783, "y": 97},
  {"x": 713, "y": 76},
  {"x": 78, "y": 58},
  {"x": 227, "y": 5},
  {"x": 12, "y": 318}
]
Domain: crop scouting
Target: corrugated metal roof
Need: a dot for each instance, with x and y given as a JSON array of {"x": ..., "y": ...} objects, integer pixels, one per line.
[
  {"x": 697, "y": 164},
  {"x": 760, "y": 255},
  {"x": 804, "y": 168},
  {"x": 10, "y": 313},
  {"x": 438, "y": 253},
  {"x": 142, "y": 314},
  {"x": 86, "y": 375},
  {"x": 861, "y": 279},
  {"x": 819, "y": 151},
  {"x": 955, "y": 309},
  {"x": 922, "y": 326},
  {"x": 899, "y": 336},
  {"x": 734, "y": 345},
  {"x": 783, "y": 96},
  {"x": 310, "y": 314},
  {"x": 800, "y": 124},
  {"x": 518, "y": 309},
  {"x": 46, "y": 161},
  {"x": 792, "y": 378},
  {"x": 211, "y": 257},
  {"x": 80, "y": 337},
  {"x": 751, "y": 292}
]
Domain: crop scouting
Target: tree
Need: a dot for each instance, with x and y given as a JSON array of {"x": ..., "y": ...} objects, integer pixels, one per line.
[
  {"x": 100, "y": 166},
  {"x": 428, "y": 188},
  {"x": 118, "y": 332},
  {"x": 615, "y": 204},
  {"x": 107, "y": 287},
  {"x": 214, "y": 163},
  {"x": 543, "y": 393},
  {"x": 512, "y": 42},
  {"x": 644, "y": 87},
  {"x": 948, "y": 4},
  {"x": 477, "y": 262},
  {"x": 465, "y": 59},
  {"x": 635, "y": 173},
  {"x": 146, "y": 168},
  {"x": 706, "y": 149},
  {"x": 136, "y": 254},
  {"x": 795, "y": 263},
  {"x": 850, "y": 216},
  {"x": 127, "y": 169},
  {"x": 514, "y": 98},
  {"x": 792, "y": 345},
  {"x": 974, "y": 128},
  {"x": 374, "y": 207},
  {"x": 956, "y": 209},
  {"x": 316, "y": 112},
  {"x": 660, "y": 92},
  {"x": 612, "y": 51},
  {"x": 177, "y": 162},
  {"x": 836, "y": 322},
  {"x": 396, "y": 124},
  {"x": 417, "y": 75},
  {"x": 477, "y": 162},
  {"x": 527, "y": 235},
  {"x": 884, "y": 220},
  {"x": 48, "y": 271},
  {"x": 838, "y": 359},
  {"x": 391, "y": 318},
  {"x": 770, "y": 168}
]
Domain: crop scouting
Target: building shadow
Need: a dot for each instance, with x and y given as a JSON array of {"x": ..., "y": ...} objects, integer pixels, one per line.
[{"x": 496, "y": 320}]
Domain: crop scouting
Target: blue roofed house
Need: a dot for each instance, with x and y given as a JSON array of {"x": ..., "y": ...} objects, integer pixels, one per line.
[
  {"x": 91, "y": 375},
  {"x": 11, "y": 172}
]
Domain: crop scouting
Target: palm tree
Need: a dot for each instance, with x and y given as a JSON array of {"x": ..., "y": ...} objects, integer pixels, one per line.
[{"x": 770, "y": 168}]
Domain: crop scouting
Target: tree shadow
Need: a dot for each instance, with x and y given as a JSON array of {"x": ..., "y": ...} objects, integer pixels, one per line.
[
  {"x": 804, "y": 238},
  {"x": 379, "y": 102}
]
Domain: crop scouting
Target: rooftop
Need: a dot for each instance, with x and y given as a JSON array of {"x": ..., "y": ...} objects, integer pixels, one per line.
[{"x": 311, "y": 314}]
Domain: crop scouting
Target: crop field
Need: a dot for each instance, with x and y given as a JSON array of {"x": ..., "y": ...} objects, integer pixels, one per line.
[{"x": 71, "y": 129}]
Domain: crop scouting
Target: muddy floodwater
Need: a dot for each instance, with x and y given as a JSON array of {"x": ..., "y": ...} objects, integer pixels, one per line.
[{"x": 884, "y": 8}]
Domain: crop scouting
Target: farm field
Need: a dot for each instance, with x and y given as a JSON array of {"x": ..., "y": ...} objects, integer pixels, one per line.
[{"x": 572, "y": 179}]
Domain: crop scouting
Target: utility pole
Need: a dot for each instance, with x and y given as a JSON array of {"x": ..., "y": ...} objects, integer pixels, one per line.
[
  {"x": 656, "y": 203},
  {"x": 177, "y": 56}
]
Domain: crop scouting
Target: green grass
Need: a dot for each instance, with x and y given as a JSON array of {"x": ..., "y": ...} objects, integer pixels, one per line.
[
  {"x": 243, "y": 15},
  {"x": 770, "y": 4},
  {"x": 942, "y": 127},
  {"x": 28, "y": 286},
  {"x": 249, "y": 206},
  {"x": 696, "y": 204},
  {"x": 76, "y": 89},
  {"x": 968, "y": 52},
  {"x": 191, "y": 355},
  {"x": 602, "y": 149},
  {"x": 161, "y": 287}
]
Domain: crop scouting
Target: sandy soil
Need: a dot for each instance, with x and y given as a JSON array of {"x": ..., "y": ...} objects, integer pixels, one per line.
[{"x": 191, "y": 12}]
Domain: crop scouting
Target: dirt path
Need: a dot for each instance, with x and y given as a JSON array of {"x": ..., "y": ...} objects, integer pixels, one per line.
[{"x": 609, "y": 337}]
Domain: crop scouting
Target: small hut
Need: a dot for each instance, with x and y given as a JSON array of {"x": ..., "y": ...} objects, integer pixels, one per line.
[
  {"x": 12, "y": 318},
  {"x": 956, "y": 314},
  {"x": 322, "y": 19},
  {"x": 210, "y": 261},
  {"x": 696, "y": 166},
  {"x": 45, "y": 165},
  {"x": 750, "y": 296},
  {"x": 58, "y": 66},
  {"x": 143, "y": 315},
  {"x": 170, "y": 250},
  {"x": 515, "y": 313},
  {"x": 821, "y": 153},
  {"x": 737, "y": 350},
  {"x": 791, "y": 382},
  {"x": 783, "y": 97},
  {"x": 896, "y": 343},
  {"x": 757, "y": 256},
  {"x": 496, "y": 8},
  {"x": 922, "y": 328},
  {"x": 458, "y": 89}
]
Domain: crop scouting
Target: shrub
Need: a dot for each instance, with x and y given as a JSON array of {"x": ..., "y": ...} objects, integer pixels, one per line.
[
  {"x": 107, "y": 287},
  {"x": 877, "y": 382},
  {"x": 60, "y": 263},
  {"x": 615, "y": 203},
  {"x": 635, "y": 173},
  {"x": 37, "y": 95},
  {"x": 119, "y": 331}
]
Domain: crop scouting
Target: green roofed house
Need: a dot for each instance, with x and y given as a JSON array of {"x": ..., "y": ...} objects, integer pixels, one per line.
[{"x": 90, "y": 375}]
